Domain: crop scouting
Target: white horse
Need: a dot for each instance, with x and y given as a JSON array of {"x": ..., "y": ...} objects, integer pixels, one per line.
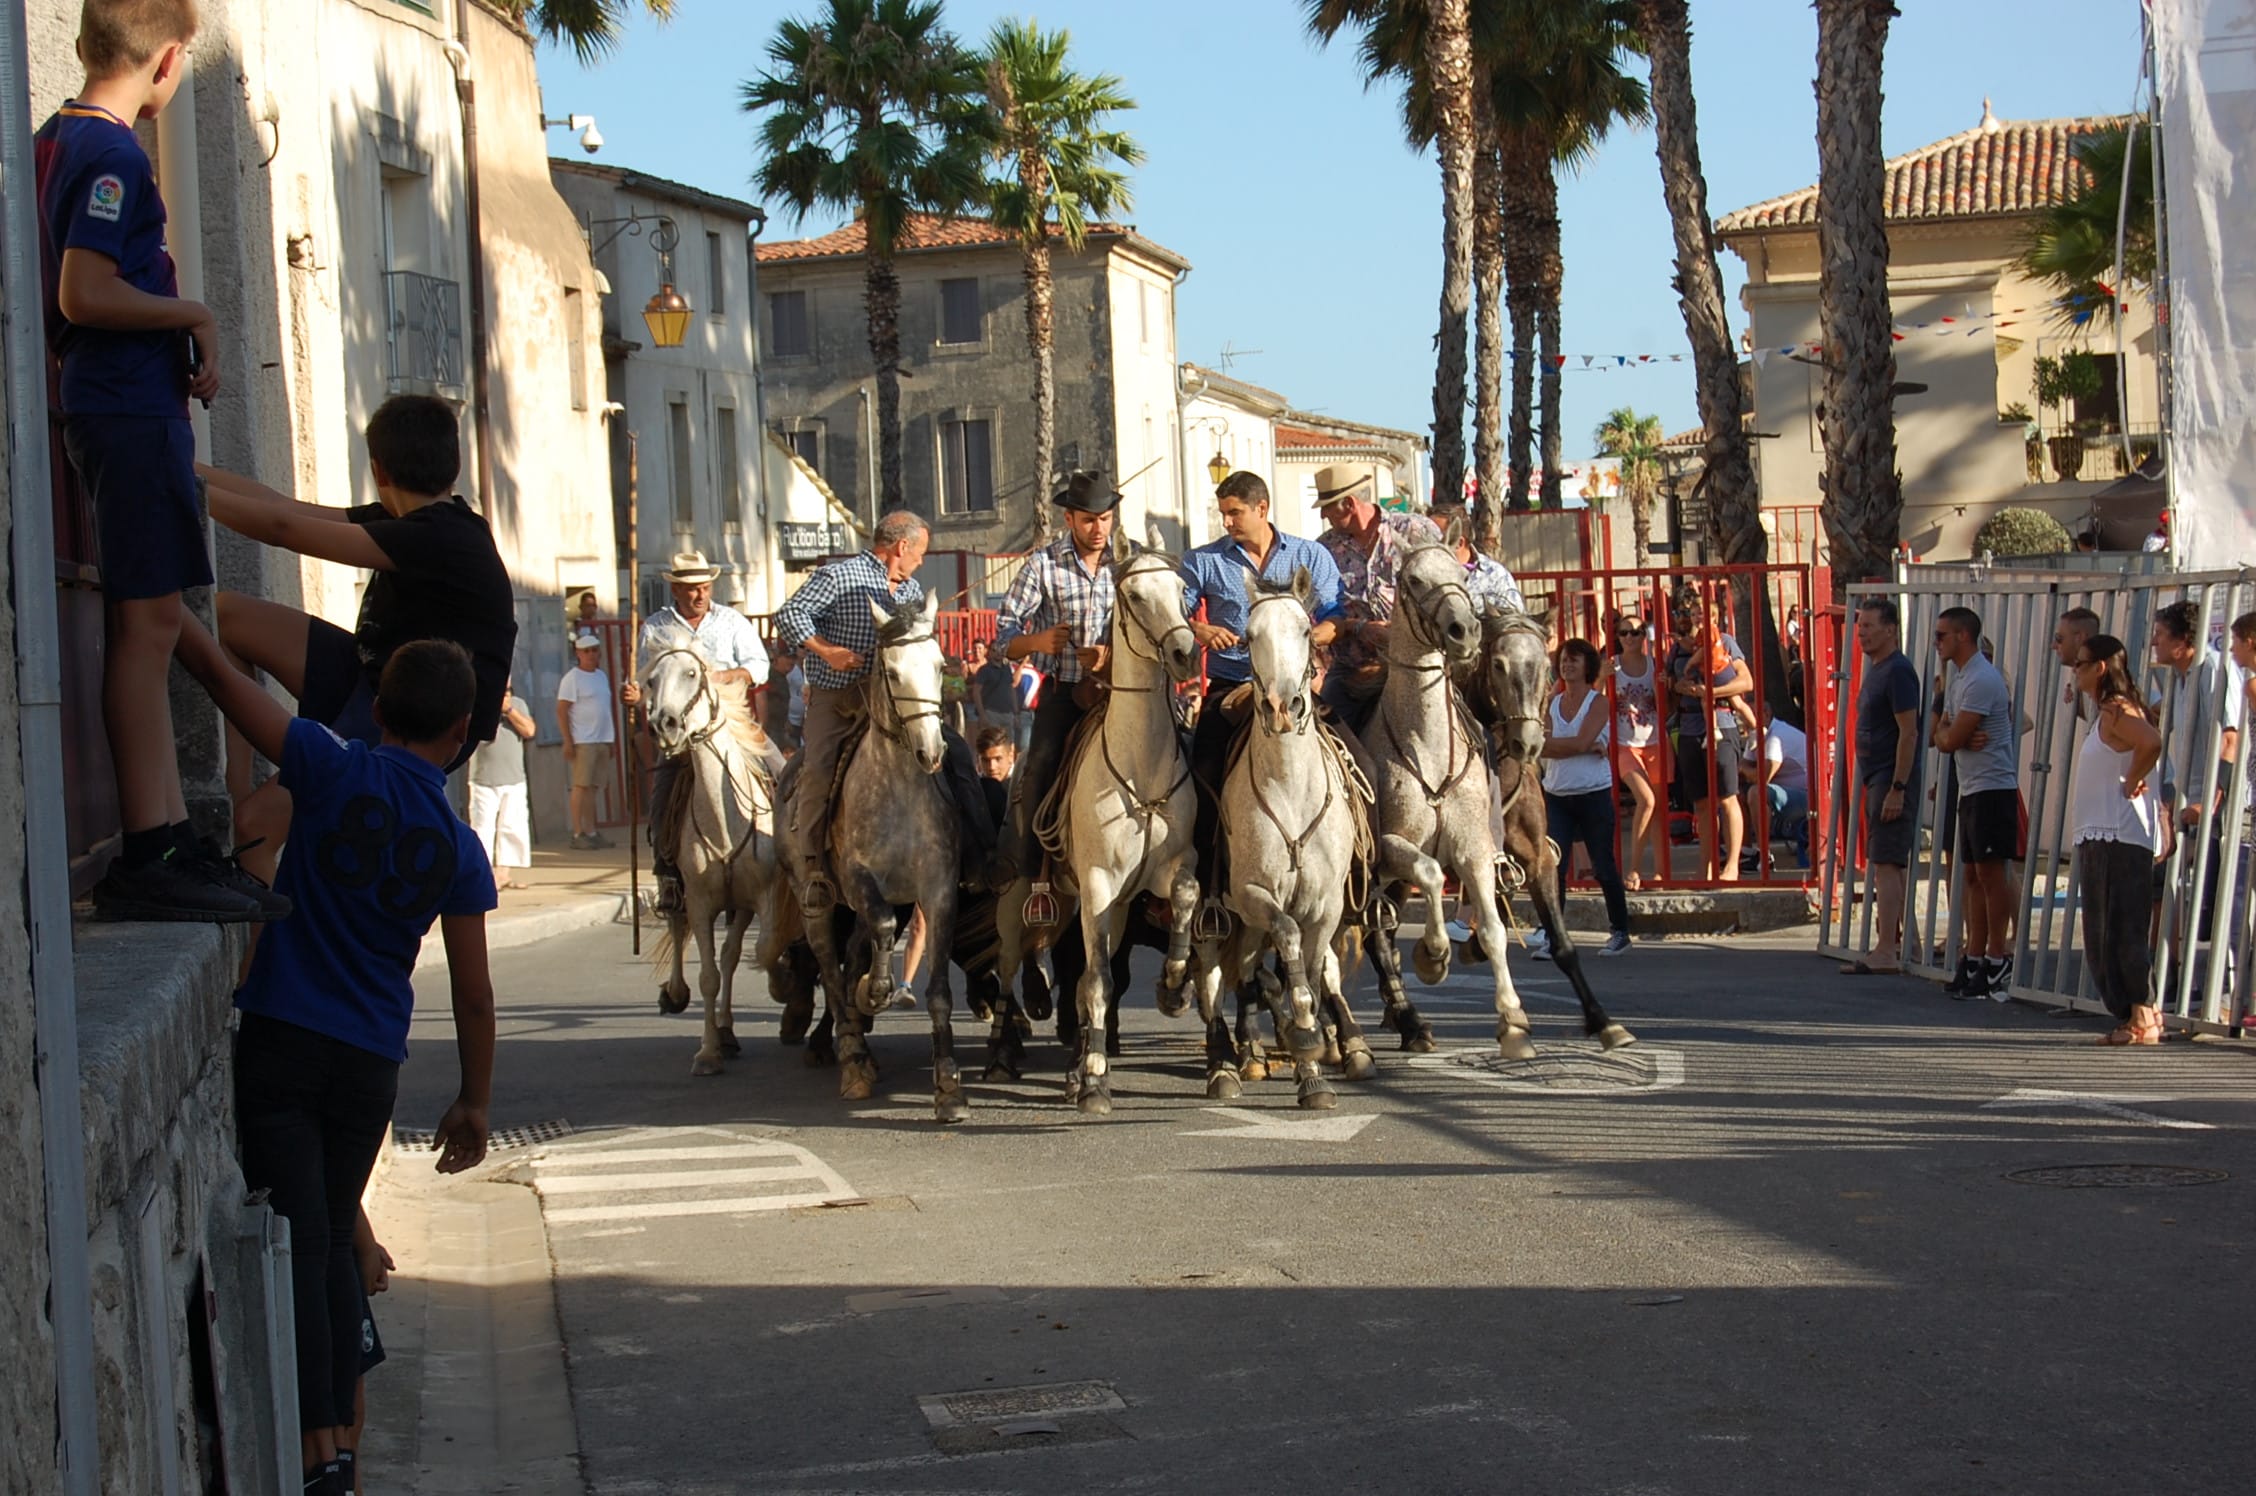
[
  {"x": 1432, "y": 780},
  {"x": 1125, "y": 819},
  {"x": 1289, "y": 822},
  {"x": 725, "y": 844}
]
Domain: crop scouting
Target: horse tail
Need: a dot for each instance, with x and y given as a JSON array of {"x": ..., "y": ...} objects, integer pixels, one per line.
[{"x": 662, "y": 950}]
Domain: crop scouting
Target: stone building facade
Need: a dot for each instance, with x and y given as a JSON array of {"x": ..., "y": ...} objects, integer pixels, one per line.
[{"x": 967, "y": 391}]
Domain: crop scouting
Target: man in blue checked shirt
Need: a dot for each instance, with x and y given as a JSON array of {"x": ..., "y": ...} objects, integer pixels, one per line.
[
  {"x": 1214, "y": 575},
  {"x": 1057, "y": 617}
]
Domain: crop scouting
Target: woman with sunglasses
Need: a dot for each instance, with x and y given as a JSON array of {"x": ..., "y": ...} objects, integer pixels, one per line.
[
  {"x": 2114, "y": 811},
  {"x": 1637, "y": 741}
]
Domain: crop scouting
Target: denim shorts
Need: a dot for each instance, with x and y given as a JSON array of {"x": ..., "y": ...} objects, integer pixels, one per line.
[{"x": 140, "y": 471}]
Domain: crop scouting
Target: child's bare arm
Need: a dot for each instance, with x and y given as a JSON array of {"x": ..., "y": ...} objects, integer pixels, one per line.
[
  {"x": 261, "y": 719},
  {"x": 461, "y": 1137},
  {"x": 250, "y": 508},
  {"x": 90, "y": 292}
]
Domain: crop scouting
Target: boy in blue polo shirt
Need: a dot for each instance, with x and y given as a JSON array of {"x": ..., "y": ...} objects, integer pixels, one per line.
[
  {"x": 132, "y": 352},
  {"x": 376, "y": 853}
]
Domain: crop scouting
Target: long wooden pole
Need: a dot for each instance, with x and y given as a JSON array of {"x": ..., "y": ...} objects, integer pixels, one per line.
[{"x": 633, "y": 611}]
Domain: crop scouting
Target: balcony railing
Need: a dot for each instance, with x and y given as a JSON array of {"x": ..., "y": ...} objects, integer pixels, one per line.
[
  {"x": 2060, "y": 453},
  {"x": 423, "y": 322}
]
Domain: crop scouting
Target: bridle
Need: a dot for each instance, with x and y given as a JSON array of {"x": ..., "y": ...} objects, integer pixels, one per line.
[
  {"x": 892, "y": 723},
  {"x": 1124, "y": 609},
  {"x": 1518, "y": 621},
  {"x": 1307, "y": 669},
  {"x": 1293, "y": 844},
  {"x": 1423, "y": 628},
  {"x": 706, "y": 696},
  {"x": 702, "y": 739},
  {"x": 1425, "y": 631}
]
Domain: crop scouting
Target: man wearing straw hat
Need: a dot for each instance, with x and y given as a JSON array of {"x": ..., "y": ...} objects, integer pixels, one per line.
[
  {"x": 1366, "y": 544},
  {"x": 1057, "y": 618},
  {"x": 738, "y": 657}
]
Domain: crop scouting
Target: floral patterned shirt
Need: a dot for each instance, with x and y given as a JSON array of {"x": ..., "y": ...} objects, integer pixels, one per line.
[{"x": 1367, "y": 578}]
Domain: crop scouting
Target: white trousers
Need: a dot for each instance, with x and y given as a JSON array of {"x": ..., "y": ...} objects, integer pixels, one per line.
[{"x": 498, "y": 815}]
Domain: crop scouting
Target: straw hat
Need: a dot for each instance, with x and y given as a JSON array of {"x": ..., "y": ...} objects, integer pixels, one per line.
[
  {"x": 691, "y": 569},
  {"x": 1338, "y": 483}
]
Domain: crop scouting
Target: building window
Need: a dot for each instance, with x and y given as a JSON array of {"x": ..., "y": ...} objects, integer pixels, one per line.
[
  {"x": 677, "y": 430},
  {"x": 959, "y": 311},
  {"x": 789, "y": 335},
  {"x": 805, "y": 443},
  {"x": 729, "y": 480},
  {"x": 716, "y": 275},
  {"x": 967, "y": 467},
  {"x": 1143, "y": 313},
  {"x": 575, "y": 345}
]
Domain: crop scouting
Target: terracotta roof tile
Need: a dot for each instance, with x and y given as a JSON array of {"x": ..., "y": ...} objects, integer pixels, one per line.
[
  {"x": 1998, "y": 167},
  {"x": 930, "y": 233},
  {"x": 1301, "y": 436}
]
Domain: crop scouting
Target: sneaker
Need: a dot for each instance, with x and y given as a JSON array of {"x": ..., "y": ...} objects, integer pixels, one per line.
[
  {"x": 1617, "y": 944},
  {"x": 1538, "y": 944},
  {"x": 598, "y": 842},
  {"x": 1961, "y": 980},
  {"x": 173, "y": 889},
  {"x": 231, "y": 874},
  {"x": 1997, "y": 979},
  {"x": 582, "y": 842},
  {"x": 1977, "y": 982}
]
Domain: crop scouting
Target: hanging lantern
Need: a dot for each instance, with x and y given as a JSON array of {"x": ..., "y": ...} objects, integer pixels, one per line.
[{"x": 667, "y": 316}]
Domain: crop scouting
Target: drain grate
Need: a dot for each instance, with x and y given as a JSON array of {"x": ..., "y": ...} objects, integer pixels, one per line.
[
  {"x": 989, "y": 1419},
  {"x": 420, "y": 1140},
  {"x": 2117, "y": 1176}
]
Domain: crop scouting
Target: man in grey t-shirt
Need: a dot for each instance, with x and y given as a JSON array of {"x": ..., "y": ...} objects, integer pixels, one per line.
[{"x": 1976, "y": 727}]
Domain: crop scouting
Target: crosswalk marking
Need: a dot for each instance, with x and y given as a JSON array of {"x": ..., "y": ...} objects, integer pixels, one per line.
[{"x": 589, "y": 1172}]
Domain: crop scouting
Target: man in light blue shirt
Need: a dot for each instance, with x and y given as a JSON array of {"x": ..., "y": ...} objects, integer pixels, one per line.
[
  {"x": 1214, "y": 577},
  {"x": 1976, "y": 728}
]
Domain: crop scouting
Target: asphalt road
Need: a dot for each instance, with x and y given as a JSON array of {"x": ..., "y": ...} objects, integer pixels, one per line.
[{"x": 1774, "y": 1247}]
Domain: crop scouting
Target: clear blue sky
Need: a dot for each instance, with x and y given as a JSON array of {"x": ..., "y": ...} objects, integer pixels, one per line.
[{"x": 1314, "y": 231}]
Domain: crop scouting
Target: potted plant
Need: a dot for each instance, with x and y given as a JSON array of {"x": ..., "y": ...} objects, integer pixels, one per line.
[{"x": 2058, "y": 383}]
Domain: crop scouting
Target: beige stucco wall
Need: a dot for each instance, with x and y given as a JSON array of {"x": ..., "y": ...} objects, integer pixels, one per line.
[
  {"x": 1959, "y": 464},
  {"x": 1146, "y": 431},
  {"x": 1246, "y": 439}
]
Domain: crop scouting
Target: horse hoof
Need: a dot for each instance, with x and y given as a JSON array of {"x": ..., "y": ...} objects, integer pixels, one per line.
[
  {"x": 1095, "y": 1099},
  {"x": 797, "y": 1019},
  {"x": 1359, "y": 1065},
  {"x": 1421, "y": 1041},
  {"x": 1514, "y": 1044},
  {"x": 1254, "y": 1071},
  {"x": 668, "y": 1002},
  {"x": 1333, "y": 1055},
  {"x": 1305, "y": 1043},
  {"x": 1318, "y": 1097},
  {"x": 950, "y": 1107},
  {"x": 1223, "y": 1086},
  {"x": 705, "y": 1064},
  {"x": 1433, "y": 966},
  {"x": 1173, "y": 999},
  {"x": 729, "y": 1046},
  {"x": 1614, "y": 1036},
  {"x": 857, "y": 1081}
]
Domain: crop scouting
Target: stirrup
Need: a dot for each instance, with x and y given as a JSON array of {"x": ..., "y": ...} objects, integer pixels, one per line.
[
  {"x": 1381, "y": 915},
  {"x": 1041, "y": 910},
  {"x": 1213, "y": 921},
  {"x": 1511, "y": 875}
]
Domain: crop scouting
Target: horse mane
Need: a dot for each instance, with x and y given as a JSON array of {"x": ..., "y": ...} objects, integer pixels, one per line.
[
  {"x": 736, "y": 711},
  {"x": 906, "y": 626}
]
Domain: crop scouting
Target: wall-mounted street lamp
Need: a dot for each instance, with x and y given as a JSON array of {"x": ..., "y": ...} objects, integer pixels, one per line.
[
  {"x": 1218, "y": 469},
  {"x": 667, "y": 313}
]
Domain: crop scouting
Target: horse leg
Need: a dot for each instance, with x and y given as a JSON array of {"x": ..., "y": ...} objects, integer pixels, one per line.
[
  {"x": 1305, "y": 1038},
  {"x": 673, "y": 993},
  {"x": 948, "y": 1104},
  {"x": 708, "y": 1061},
  {"x": 1182, "y": 906},
  {"x": 883, "y": 926},
  {"x": 1006, "y": 1040},
  {"x": 1097, "y": 919},
  {"x": 1478, "y": 877},
  {"x": 1222, "y": 1082},
  {"x": 1356, "y": 1060},
  {"x": 838, "y": 1038},
  {"x": 732, "y": 952},
  {"x": 1432, "y": 953},
  {"x": 1543, "y": 893}
]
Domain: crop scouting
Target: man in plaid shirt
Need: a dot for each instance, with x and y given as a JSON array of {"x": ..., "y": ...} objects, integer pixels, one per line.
[
  {"x": 1057, "y": 617},
  {"x": 1367, "y": 545}
]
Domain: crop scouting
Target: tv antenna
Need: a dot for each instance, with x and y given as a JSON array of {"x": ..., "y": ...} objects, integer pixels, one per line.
[{"x": 1231, "y": 353}]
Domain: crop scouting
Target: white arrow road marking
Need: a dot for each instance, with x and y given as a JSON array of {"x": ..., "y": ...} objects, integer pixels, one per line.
[
  {"x": 720, "y": 1171},
  {"x": 1280, "y": 1127},
  {"x": 2118, "y": 1107},
  {"x": 1555, "y": 1072}
]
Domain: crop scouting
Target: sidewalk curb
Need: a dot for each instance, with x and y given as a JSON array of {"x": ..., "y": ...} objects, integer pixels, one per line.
[{"x": 505, "y": 931}]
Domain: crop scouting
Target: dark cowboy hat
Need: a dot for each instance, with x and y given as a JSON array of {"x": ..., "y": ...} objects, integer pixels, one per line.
[{"x": 1088, "y": 493}]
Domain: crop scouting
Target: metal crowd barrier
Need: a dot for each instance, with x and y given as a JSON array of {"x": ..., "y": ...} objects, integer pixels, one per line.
[{"x": 2205, "y": 951}]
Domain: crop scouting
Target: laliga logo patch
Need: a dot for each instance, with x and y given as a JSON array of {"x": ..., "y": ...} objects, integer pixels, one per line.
[{"x": 107, "y": 200}]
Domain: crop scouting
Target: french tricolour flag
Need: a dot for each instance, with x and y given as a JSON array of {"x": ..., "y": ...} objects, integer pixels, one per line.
[{"x": 1030, "y": 683}]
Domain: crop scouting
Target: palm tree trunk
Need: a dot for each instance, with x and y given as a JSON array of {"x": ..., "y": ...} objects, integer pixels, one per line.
[
  {"x": 1640, "y": 522},
  {"x": 1522, "y": 296},
  {"x": 1734, "y": 507},
  {"x": 1550, "y": 284},
  {"x": 1488, "y": 330},
  {"x": 1040, "y": 337},
  {"x": 1863, "y": 496},
  {"x": 1449, "y": 62},
  {"x": 881, "y": 303}
]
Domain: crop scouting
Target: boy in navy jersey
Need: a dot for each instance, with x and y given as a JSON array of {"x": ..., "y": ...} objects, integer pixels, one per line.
[
  {"x": 376, "y": 853},
  {"x": 132, "y": 352}
]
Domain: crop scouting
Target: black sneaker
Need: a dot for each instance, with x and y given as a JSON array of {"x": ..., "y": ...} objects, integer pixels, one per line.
[
  {"x": 172, "y": 889},
  {"x": 230, "y": 873},
  {"x": 1997, "y": 978},
  {"x": 1957, "y": 985},
  {"x": 1977, "y": 981}
]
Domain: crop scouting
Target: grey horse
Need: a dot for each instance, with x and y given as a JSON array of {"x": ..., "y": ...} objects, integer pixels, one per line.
[{"x": 894, "y": 846}]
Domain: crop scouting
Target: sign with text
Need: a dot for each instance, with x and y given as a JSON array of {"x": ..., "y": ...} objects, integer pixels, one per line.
[{"x": 799, "y": 540}]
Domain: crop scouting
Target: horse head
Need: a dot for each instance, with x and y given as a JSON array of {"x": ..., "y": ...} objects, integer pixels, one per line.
[
  {"x": 1431, "y": 603},
  {"x": 1147, "y": 608},
  {"x": 905, "y": 678},
  {"x": 1516, "y": 677},
  {"x": 677, "y": 692},
  {"x": 1279, "y": 649}
]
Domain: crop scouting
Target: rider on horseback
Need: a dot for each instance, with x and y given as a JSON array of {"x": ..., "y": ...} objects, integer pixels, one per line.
[
  {"x": 830, "y": 618},
  {"x": 1366, "y": 543},
  {"x": 1058, "y": 616}
]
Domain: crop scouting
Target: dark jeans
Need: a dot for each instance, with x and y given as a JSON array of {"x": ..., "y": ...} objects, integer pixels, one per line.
[
  {"x": 662, "y": 777},
  {"x": 2116, "y": 884},
  {"x": 831, "y": 718},
  {"x": 311, "y": 1111},
  {"x": 1210, "y": 758},
  {"x": 1044, "y": 760},
  {"x": 1589, "y": 819}
]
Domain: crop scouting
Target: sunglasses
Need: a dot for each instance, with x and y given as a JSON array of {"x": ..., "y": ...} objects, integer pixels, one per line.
[{"x": 1630, "y": 631}]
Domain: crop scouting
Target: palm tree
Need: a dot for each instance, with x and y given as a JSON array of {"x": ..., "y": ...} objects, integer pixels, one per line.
[
  {"x": 1430, "y": 43},
  {"x": 1863, "y": 497},
  {"x": 1728, "y": 475},
  {"x": 1636, "y": 441},
  {"x": 1488, "y": 328},
  {"x": 2072, "y": 243},
  {"x": 873, "y": 108},
  {"x": 1065, "y": 168},
  {"x": 590, "y": 28}
]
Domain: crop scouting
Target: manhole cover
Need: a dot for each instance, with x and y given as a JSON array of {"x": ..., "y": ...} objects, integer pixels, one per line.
[
  {"x": 991, "y": 1405},
  {"x": 2117, "y": 1176},
  {"x": 1563, "y": 1070},
  {"x": 419, "y": 1139}
]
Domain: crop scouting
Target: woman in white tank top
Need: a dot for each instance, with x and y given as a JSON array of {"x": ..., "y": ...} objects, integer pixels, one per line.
[
  {"x": 2112, "y": 810},
  {"x": 1578, "y": 786},
  {"x": 1637, "y": 740}
]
